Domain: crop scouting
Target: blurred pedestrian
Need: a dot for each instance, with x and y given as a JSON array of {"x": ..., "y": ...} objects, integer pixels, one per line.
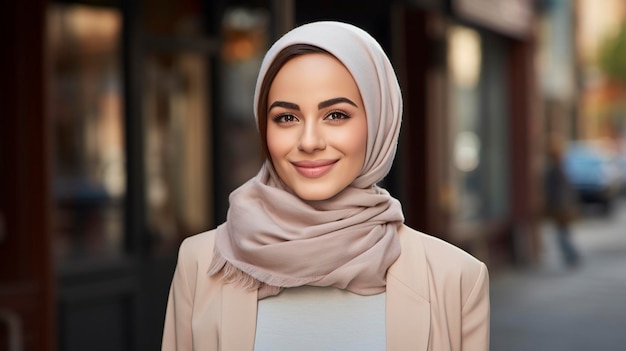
[
  {"x": 314, "y": 255},
  {"x": 561, "y": 199}
]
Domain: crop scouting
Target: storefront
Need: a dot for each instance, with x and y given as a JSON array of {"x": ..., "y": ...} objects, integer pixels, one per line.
[
  {"x": 467, "y": 156},
  {"x": 152, "y": 128}
]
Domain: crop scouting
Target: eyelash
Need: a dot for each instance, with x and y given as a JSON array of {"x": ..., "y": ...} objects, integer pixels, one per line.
[
  {"x": 341, "y": 116},
  {"x": 281, "y": 118}
]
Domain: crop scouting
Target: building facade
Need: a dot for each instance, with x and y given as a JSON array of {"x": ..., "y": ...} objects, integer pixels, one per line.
[{"x": 129, "y": 123}]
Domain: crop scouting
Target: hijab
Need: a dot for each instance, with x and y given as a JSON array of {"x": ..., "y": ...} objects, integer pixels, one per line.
[{"x": 272, "y": 239}]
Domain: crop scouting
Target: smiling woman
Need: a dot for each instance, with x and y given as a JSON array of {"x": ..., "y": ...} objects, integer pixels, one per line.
[
  {"x": 314, "y": 254},
  {"x": 317, "y": 130}
]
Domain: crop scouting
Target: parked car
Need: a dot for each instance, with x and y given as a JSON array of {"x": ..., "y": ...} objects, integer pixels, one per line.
[{"x": 594, "y": 172}]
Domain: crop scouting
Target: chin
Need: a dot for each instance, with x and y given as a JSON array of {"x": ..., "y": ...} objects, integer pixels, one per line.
[{"x": 316, "y": 194}]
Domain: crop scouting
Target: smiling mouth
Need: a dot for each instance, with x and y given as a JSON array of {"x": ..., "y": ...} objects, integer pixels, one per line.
[{"x": 314, "y": 169}]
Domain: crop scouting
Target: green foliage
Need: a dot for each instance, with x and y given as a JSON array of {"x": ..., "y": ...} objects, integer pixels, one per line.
[{"x": 612, "y": 55}]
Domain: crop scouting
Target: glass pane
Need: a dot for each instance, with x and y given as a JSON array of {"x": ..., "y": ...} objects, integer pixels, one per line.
[
  {"x": 177, "y": 148},
  {"x": 479, "y": 125},
  {"x": 464, "y": 63},
  {"x": 89, "y": 173},
  {"x": 245, "y": 33},
  {"x": 495, "y": 133}
]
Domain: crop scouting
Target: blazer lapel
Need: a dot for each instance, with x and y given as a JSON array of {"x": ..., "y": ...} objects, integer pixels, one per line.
[
  {"x": 238, "y": 318},
  {"x": 408, "y": 298}
]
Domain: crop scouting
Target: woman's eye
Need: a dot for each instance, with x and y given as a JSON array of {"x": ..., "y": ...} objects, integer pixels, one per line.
[
  {"x": 287, "y": 118},
  {"x": 336, "y": 115}
]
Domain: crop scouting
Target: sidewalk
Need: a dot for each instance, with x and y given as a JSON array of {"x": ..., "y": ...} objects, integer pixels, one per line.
[{"x": 551, "y": 307}]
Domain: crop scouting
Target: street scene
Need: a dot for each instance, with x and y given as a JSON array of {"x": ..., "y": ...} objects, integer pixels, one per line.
[
  {"x": 554, "y": 307},
  {"x": 131, "y": 127}
]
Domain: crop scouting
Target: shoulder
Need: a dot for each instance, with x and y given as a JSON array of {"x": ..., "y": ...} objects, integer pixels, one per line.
[
  {"x": 197, "y": 250},
  {"x": 199, "y": 242},
  {"x": 447, "y": 265},
  {"x": 437, "y": 250},
  {"x": 194, "y": 258}
]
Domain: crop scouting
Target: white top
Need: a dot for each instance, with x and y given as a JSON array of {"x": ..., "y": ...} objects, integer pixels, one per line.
[{"x": 315, "y": 318}]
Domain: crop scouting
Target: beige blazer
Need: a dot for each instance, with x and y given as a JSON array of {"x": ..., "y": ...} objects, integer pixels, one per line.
[{"x": 437, "y": 299}]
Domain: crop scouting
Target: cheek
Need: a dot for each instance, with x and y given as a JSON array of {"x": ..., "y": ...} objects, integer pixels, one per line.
[
  {"x": 270, "y": 142},
  {"x": 357, "y": 140},
  {"x": 277, "y": 143}
]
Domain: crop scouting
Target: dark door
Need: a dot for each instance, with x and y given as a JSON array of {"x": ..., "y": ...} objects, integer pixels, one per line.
[
  {"x": 26, "y": 313},
  {"x": 96, "y": 267}
]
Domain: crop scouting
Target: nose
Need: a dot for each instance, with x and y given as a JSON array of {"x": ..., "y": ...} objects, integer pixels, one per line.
[{"x": 312, "y": 138}]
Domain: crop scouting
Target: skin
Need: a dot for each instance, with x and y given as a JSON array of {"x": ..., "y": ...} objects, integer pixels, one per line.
[{"x": 316, "y": 126}]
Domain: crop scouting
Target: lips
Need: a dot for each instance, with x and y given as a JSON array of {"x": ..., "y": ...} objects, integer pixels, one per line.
[{"x": 315, "y": 168}]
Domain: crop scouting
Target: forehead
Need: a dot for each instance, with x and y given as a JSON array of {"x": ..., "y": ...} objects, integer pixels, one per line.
[{"x": 314, "y": 74}]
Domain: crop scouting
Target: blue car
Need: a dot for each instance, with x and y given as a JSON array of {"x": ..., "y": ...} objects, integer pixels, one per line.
[{"x": 594, "y": 173}]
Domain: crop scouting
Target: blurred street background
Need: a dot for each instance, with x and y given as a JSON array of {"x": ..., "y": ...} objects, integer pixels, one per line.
[
  {"x": 126, "y": 125},
  {"x": 551, "y": 306}
]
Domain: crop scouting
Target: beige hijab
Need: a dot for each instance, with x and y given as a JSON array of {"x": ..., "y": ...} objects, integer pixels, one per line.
[{"x": 273, "y": 239}]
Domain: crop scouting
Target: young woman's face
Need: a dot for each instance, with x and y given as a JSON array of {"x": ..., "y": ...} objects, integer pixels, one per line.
[{"x": 316, "y": 126}]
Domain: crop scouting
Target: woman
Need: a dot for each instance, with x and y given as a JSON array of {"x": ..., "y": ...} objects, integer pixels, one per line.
[{"x": 314, "y": 255}]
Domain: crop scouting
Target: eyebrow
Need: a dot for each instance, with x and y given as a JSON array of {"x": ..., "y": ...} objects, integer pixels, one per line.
[
  {"x": 334, "y": 101},
  {"x": 321, "y": 105},
  {"x": 285, "y": 104}
]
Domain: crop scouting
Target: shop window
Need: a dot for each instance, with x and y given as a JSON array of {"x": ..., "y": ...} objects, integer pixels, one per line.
[
  {"x": 196, "y": 149},
  {"x": 176, "y": 121},
  {"x": 478, "y": 108},
  {"x": 245, "y": 35},
  {"x": 86, "y": 104}
]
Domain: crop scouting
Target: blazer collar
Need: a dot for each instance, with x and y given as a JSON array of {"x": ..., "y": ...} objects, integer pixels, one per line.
[{"x": 407, "y": 304}]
